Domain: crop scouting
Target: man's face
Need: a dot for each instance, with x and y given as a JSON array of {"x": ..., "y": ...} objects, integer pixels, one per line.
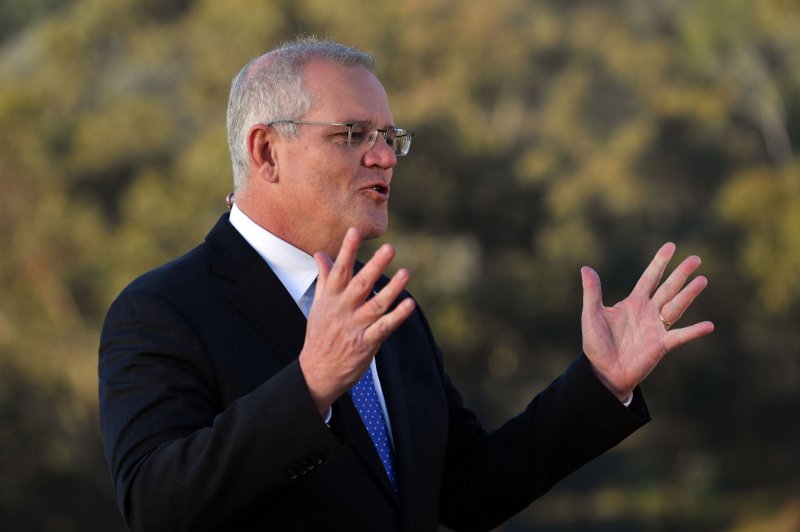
[{"x": 329, "y": 185}]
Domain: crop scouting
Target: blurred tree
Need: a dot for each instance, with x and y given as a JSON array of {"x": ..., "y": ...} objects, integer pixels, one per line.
[
  {"x": 548, "y": 135},
  {"x": 16, "y": 15}
]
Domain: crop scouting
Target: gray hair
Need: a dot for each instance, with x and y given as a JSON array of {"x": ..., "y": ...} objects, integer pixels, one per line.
[{"x": 272, "y": 90}]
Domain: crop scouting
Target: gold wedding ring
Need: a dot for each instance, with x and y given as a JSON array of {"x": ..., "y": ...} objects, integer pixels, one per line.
[{"x": 667, "y": 324}]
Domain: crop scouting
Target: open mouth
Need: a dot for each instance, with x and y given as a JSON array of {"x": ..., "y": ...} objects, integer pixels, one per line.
[{"x": 381, "y": 189}]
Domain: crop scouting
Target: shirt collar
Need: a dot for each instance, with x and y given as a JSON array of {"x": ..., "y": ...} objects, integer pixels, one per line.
[{"x": 295, "y": 268}]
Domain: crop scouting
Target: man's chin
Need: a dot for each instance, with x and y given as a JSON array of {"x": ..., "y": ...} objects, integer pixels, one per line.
[
  {"x": 373, "y": 226},
  {"x": 373, "y": 232}
]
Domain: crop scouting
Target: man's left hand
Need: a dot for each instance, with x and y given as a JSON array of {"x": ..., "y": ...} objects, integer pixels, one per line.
[{"x": 624, "y": 343}]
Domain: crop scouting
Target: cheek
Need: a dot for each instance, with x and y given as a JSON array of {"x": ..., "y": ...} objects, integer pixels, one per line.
[{"x": 324, "y": 179}]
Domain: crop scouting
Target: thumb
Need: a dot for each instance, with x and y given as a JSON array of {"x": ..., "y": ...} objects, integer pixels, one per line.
[{"x": 592, "y": 291}]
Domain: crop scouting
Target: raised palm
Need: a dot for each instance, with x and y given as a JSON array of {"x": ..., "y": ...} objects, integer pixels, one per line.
[{"x": 625, "y": 342}]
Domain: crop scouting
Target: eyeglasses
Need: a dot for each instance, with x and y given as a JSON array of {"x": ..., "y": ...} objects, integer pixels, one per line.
[{"x": 360, "y": 133}]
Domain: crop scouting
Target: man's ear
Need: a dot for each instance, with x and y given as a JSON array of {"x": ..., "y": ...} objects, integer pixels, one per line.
[{"x": 263, "y": 157}]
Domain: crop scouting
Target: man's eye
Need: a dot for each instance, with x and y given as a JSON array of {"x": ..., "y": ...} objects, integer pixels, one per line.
[
  {"x": 340, "y": 137},
  {"x": 358, "y": 135}
]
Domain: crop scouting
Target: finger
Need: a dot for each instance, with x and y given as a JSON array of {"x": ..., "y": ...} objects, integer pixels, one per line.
[
  {"x": 652, "y": 275},
  {"x": 364, "y": 281},
  {"x": 674, "y": 309},
  {"x": 342, "y": 270},
  {"x": 592, "y": 291},
  {"x": 388, "y": 323},
  {"x": 675, "y": 281},
  {"x": 324, "y": 265},
  {"x": 382, "y": 301},
  {"x": 677, "y": 337}
]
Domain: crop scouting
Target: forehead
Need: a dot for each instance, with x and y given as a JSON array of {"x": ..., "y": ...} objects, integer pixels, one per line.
[{"x": 340, "y": 93}]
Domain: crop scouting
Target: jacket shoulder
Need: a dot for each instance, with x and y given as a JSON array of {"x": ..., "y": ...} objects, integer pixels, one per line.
[{"x": 186, "y": 270}]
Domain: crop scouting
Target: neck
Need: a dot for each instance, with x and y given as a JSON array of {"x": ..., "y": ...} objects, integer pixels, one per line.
[{"x": 290, "y": 228}]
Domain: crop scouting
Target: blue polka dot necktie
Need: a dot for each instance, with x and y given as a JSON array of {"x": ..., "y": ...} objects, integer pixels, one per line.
[{"x": 366, "y": 400}]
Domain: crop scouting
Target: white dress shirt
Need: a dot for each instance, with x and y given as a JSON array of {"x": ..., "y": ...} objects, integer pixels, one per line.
[{"x": 297, "y": 271}]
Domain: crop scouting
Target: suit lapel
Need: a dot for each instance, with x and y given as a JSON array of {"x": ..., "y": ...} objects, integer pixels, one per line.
[{"x": 256, "y": 292}]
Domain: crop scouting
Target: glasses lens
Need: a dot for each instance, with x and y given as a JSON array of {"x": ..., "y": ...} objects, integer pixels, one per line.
[
  {"x": 359, "y": 133},
  {"x": 399, "y": 140}
]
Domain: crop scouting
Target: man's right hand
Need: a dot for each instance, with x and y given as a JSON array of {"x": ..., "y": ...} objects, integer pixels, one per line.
[{"x": 345, "y": 329}]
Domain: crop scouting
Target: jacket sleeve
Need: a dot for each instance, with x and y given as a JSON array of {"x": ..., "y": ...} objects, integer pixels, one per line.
[
  {"x": 179, "y": 460},
  {"x": 489, "y": 476}
]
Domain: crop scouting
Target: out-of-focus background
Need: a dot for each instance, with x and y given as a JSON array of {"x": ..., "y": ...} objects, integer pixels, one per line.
[{"x": 549, "y": 135}]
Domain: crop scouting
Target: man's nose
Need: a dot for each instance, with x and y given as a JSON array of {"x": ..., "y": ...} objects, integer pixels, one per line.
[{"x": 380, "y": 154}]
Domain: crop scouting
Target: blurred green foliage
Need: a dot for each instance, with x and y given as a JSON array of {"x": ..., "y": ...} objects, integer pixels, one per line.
[{"x": 548, "y": 135}]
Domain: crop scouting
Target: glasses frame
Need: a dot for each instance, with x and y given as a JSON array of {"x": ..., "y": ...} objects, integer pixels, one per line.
[{"x": 400, "y": 149}]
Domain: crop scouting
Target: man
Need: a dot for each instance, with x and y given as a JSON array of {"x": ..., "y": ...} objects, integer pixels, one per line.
[{"x": 256, "y": 384}]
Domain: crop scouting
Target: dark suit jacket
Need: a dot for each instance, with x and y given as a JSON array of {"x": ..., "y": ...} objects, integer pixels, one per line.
[{"x": 208, "y": 424}]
